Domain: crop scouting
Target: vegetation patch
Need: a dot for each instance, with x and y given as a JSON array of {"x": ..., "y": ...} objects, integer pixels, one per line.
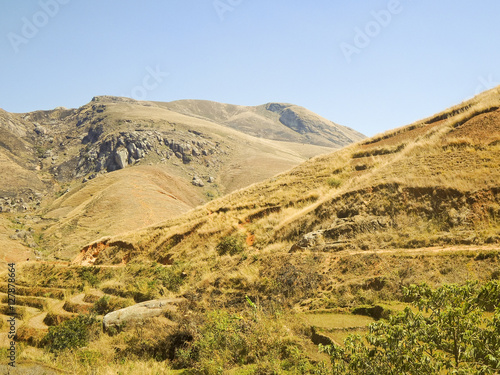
[
  {"x": 73, "y": 333},
  {"x": 54, "y": 319},
  {"x": 36, "y": 302},
  {"x": 223, "y": 341},
  {"x": 334, "y": 182},
  {"x": 451, "y": 331},
  {"x": 107, "y": 304},
  {"x": 231, "y": 245}
]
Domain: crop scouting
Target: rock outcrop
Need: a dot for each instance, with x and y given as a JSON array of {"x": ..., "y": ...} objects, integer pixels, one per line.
[
  {"x": 121, "y": 158},
  {"x": 140, "y": 312},
  {"x": 341, "y": 230},
  {"x": 197, "y": 181},
  {"x": 117, "y": 151},
  {"x": 314, "y": 128}
]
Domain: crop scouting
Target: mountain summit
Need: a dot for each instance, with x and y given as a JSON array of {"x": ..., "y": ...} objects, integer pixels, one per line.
[{"x": 277, "y": 121}]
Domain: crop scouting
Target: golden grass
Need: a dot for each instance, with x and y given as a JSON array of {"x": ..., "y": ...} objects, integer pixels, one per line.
[
  {"x": 337, "y": 321},
  {"x": 426, "y": 211},
  {"x": 97, "y": 359}
]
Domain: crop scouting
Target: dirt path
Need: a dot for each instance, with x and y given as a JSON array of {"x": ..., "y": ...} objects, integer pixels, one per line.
[
  {"x": 37, "y": 322},
  {"x": 424, "y": 250},
  {"x": 55, "y": 306},
  {"x": 79, "y": 299}
]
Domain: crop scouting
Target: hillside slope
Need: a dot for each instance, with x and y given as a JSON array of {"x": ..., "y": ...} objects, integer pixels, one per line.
[
  {"x": 75, "y": 175},
  {"x": 277, "y": 121},
  {"x": 431, "y": 184}
]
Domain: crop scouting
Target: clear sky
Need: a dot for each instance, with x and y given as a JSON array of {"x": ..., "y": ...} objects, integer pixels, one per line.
[{"x": 371, "y": 65}]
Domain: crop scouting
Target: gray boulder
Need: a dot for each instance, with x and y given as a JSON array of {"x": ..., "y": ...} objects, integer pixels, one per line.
[
  {"x": 309, "y": 240},
  {"x": 197, "y": 182},
  {"x": 132, "y": 149},
  {"x": 140, "y": 312}
]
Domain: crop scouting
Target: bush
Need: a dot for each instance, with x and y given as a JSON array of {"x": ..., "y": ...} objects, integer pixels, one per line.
[
  {"x": 89, "y": 357},
  {"x": 73, "y": 333},
  {"x": 89, "y": 275},
  {"x": 334, "y": 182},
  {"x": 54, "y": 319},
  {"x": 230, "y": 245},
  {"x": 150, "y": 339},
  {"x": 102, "y": 306}
]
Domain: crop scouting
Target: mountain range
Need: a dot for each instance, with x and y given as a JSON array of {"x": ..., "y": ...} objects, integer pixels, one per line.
[{"x": 71, "y": 176}]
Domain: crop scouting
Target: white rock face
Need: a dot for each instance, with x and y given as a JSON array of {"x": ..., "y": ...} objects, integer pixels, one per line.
[{"x": 121, "y": 158}]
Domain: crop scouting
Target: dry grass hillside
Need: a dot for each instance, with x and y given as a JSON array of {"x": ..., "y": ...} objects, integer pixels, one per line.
[
  {"x": 71, "y": 176},
  {"x": 432, "y": 184},
  {"x": 267, "y": 272},
  {"x": 277, "y": 121}
]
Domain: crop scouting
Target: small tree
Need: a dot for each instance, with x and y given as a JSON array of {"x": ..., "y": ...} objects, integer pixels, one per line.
[{"x": 449, "y": 332}]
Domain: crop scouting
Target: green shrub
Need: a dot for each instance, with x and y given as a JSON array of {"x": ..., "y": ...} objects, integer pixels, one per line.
[
  {"x": 230, "y": 245},
  {"x": 73, "y": 333},
  {"x": 54, "y": 319},
  {"x": 151, "y": 339},
  {"x": 334, "y": 182},
  {"x": 89, "y": 275},
  {"x": 89, "y": 357},
  {"x": 102, "y": 306},
  {"x": 450, "y": 333}
]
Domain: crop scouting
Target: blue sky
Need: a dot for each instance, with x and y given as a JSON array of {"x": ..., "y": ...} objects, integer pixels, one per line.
[{"x": 371, "y": 65}]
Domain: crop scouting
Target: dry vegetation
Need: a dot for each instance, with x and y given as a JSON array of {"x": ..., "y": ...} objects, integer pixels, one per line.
[
  {"x": 437, "y": 187},
  {"x": 272, "y": 270},
  {"x": 55, "y": 166}
]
